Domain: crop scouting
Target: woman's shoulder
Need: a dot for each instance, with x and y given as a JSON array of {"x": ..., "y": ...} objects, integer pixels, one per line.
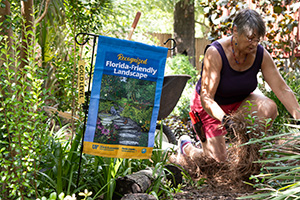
[
  {"x": 218, "y": 46},
  {"x": 212, "y": 50},
  {"x": 221, "y": 43},
  {"x": 213, "y": 53},
  {"x": 266, "y": 56},
  {"x": 261, "y": 48}
]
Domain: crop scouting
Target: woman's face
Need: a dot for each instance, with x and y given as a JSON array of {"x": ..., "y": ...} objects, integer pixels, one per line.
[{"x": 249, "y": 42}]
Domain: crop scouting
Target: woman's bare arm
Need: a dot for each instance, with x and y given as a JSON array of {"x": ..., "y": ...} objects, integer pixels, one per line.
[
  {"x": 279, "y": 86},
  {"x": 210, "y": 81}
]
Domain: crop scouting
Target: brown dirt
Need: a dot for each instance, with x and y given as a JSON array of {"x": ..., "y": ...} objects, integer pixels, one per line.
[{"x": 207, "y": 193}]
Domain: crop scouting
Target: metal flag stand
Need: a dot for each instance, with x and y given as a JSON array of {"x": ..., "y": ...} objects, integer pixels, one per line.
[{"x": 86, "y": 106}]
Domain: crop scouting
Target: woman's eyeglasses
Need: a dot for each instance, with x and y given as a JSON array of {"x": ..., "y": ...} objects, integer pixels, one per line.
[{"x": 252, "y": 40}]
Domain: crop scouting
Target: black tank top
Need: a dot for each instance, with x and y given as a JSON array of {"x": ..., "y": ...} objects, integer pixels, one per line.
[{"x": 234, "y": 85}]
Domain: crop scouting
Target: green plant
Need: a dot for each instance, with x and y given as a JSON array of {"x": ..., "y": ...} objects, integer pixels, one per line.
[
  {"x": 180, "y": 64},
  {"x": 258, "y": 127},
  {"x": 138, "y": 113},
  {"x": 158, "y": 188},
  {"x": 170, "y": 187},
  {"x": 159, "y": 155},
  {"x": 59, "y": 162},
  {"x": 33, "y": 143},
  {"x": 280, "y": 176},
  {"x": 161, "y": 187},
  {"x": 23, "y": 125},
  {"x": 60, "y": 166},
  {"x": 189, "y": 180}
]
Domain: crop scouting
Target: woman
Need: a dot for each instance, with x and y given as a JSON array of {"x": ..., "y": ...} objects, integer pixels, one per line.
[{"x": 228, "y": 79}]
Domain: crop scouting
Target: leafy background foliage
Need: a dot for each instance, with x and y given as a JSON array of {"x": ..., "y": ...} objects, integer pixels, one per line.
[{"x": 40, "y": 152}]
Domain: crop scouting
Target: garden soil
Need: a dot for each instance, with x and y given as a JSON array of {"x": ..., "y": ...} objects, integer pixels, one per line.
[{"x": 224, "y": 180}]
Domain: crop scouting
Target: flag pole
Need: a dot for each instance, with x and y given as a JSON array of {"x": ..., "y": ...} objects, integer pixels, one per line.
[
  {"x": 86, "y": 105},
  {"x": 133, "y": 26}
]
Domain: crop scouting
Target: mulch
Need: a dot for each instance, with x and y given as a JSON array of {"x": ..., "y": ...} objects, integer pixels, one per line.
[{"x": 224, "y": 180}]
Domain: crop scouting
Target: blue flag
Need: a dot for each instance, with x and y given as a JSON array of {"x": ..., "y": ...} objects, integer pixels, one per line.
[{"x": 125, "y": 99}]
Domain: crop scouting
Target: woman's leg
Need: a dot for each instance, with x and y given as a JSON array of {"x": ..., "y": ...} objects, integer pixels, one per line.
[
  {"x": 260, "y": 105},
  {"x": 213, "y": 147}
]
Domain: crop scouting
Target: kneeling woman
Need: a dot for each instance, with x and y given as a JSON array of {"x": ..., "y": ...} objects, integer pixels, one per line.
[{"x": 228, "y": 79}]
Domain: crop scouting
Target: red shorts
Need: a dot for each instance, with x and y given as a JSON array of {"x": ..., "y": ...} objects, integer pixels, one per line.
[{"x": 211, "y": 126}]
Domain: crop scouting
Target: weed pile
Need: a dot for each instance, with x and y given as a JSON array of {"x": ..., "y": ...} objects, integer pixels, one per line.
[{"x": 240, "y": 163}]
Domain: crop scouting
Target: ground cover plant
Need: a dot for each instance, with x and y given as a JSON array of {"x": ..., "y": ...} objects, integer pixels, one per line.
[{"x": 278, "y": 178}]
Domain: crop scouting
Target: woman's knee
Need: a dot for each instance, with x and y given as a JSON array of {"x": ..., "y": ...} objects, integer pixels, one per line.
[
  {"x": 215, "y": 148},
  {"x": 261, "y": 105},
  {"x": 220, "y": 157},
  {"x": 267, "y": 108}
]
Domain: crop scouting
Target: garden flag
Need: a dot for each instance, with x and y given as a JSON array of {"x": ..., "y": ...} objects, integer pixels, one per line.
[{"x": 125, "y": 98}]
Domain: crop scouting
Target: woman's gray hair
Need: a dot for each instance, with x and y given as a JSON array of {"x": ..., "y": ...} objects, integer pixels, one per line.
[{"x": 247, "y": 21}]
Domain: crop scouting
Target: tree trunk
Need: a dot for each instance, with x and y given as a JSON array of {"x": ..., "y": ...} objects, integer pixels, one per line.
[
  {"x": 6, "y": 42},
  {"x": 184, "y": 28},
  {"x": 5, "y": 28},
  {"x": 27, "y": 11}
]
